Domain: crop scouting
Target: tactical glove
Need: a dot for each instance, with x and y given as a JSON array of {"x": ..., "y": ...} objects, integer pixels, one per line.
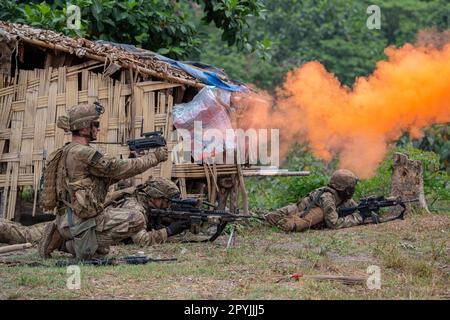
[
  {"x": 161, "y": 154},
  {"x": 177, "y": 227}
]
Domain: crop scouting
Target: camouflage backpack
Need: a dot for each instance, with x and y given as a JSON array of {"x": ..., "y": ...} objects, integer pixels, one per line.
[{"x": 50, "y": 186}]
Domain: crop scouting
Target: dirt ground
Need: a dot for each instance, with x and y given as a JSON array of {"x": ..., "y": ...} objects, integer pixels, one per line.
[{"x": 413, "y": 257}]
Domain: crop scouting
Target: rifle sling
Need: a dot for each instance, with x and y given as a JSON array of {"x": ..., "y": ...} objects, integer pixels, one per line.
[{"x": 312, "y": 204}]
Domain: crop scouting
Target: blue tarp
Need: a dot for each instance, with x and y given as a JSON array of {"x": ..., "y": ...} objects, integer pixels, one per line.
[{"x": 205, "y": 75}]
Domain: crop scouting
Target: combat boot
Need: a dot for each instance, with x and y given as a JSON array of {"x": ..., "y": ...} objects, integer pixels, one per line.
[
  {"x": 51, "y": 240},
  {"x": 273, "y": 218}
]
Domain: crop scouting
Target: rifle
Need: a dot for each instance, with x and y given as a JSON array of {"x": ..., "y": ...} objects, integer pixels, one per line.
[
  {"x": 150, "y": 140},
  {"x": 370, "y": 206},
  {"x": 111, "y": 261},
  {"x": 188, "y": 210}
]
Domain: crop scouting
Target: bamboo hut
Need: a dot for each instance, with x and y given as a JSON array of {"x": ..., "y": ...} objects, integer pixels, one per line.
[{"x": 42, "y": 73}]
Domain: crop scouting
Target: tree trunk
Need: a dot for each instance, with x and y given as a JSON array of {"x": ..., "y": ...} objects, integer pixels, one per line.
[{"x": 407, "y": 181}]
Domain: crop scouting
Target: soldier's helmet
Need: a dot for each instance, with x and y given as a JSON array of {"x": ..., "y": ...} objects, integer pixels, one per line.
[
  {"x": 342, "y": 179},
  {"x": 80, "y": 116},
  {"x": 161, "y": 188}
]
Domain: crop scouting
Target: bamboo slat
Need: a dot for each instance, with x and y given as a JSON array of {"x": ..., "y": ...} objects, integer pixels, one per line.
[
  {"x": 34, "y": 99},
  {"x": 5, "y": 110},
  {"x": 166, "y": 167},
  {"x": 28, "y": 130}
]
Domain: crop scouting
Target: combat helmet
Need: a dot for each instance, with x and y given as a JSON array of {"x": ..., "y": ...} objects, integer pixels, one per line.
[
  {"x": 342, "y": 179},
  {"x": 161, "y": 188},
  {"x": 80, "y": 116}
]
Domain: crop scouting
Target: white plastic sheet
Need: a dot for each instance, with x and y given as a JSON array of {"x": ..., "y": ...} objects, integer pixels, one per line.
[{"x": 207, "y": 120}]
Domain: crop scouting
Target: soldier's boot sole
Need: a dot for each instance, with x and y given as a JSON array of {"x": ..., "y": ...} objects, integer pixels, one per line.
[
  {"x": 273, "y": 218},
  {"x": 51, "y": 240}
]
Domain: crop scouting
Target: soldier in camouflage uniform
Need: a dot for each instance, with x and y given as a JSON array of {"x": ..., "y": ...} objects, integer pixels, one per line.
[
  {"x": 119, "y": 204},
  {"x": 154, "y": 194},
  {"x": 321, "y": 205},
  {"x": 14, "y": 233},
  {"x": 83, "y": 226}
]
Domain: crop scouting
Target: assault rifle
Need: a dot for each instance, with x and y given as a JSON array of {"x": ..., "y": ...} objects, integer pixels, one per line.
[
  {"x": 190, "y": 210},
  {"x": 370, "y": 206},
  {"x": 111, "y": 261},
  {"x": 150, "y": 140}
]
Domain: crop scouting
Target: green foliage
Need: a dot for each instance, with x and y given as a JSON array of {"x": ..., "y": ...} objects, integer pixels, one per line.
[
  {"x": 332, "y": 32},
  {"x": 158, "y": 25},
  {"x": 271, "y": 193},
  {"x": 231, "y": 16},
  {"x": 436, "y": 139},
  {"x": 436, "y": 181},
  {"x": 26, "y": 194}
]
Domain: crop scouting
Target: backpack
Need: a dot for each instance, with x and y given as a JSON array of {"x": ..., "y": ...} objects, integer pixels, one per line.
[{"x": 50, "y": 187}]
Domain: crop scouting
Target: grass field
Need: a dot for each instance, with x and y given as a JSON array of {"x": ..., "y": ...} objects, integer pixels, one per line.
[{"x": 413, "y": 256}]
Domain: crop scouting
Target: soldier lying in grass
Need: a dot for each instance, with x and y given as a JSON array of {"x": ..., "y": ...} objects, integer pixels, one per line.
[{"x": 321, "y": 205}]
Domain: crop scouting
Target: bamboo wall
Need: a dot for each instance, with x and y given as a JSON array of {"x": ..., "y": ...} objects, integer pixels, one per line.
[{"x": 30, "y": 106}]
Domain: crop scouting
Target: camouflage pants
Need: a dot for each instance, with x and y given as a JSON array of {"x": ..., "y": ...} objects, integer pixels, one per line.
[
  {"x": 288, "y": 218},
  {"x": 14, "y": 233},
  {"x": 116, "y": 224},
  {"x": 129, "y": 221}
]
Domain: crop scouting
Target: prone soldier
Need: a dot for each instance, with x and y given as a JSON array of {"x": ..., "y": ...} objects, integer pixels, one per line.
[
  {"x": 321, "y": 205},
  {"x": 14, "y": 233}
]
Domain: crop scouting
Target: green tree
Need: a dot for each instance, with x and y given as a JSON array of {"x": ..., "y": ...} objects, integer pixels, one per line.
[
  {"x": 158, "y": 25},
  {"x": 332, "y": 32}
]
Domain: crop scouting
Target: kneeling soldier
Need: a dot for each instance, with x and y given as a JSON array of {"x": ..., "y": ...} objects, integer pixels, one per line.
[{"x": 76, "y": 181}]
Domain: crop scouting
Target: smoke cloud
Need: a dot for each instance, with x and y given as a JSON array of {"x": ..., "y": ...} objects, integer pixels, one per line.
[{"x": 406, "y": 93}]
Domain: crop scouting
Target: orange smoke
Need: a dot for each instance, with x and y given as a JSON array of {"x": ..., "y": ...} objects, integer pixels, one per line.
[{"x": 409, "y": 91}]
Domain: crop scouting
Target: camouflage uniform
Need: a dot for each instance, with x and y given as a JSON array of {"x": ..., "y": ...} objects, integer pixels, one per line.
[
  {"x": 83, "y": 178},
  {"x": 124, "y": 216},
  {"x": 14, "y": 233},
  {"x": 135, "y": 200},
  {"x": 323, "y": 204}
]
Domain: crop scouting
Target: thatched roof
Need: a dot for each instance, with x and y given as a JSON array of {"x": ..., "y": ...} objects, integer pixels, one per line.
[{"x": 140, "y": 60}]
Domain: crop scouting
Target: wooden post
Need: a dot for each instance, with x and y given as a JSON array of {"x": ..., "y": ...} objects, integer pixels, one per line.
[
  {"x": 183, "y": 190},
  {"x": 407, "y": 180},
  {"x": 243, "y": 190},
  {"x": 234, "y": 193},
  {"x": 225, "y": 185}
]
